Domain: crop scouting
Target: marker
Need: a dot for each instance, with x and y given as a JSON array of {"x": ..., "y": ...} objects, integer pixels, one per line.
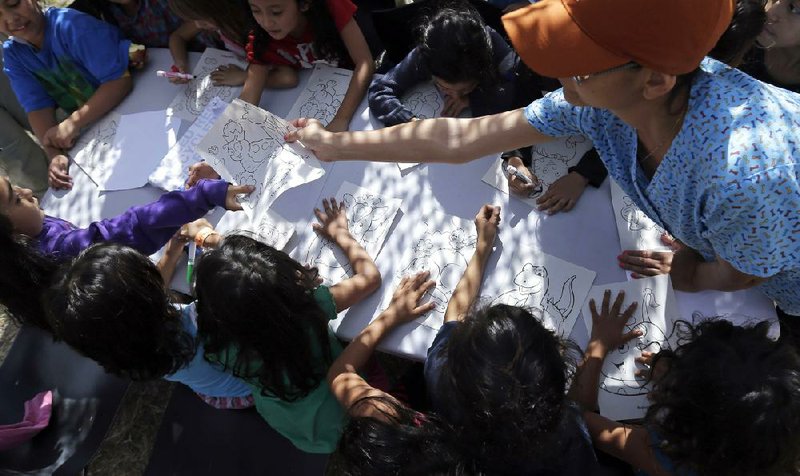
[
  {"x": 516, "y": 173},
  {"x": 173, "y": 74},
  {"x": 190, "y": 265}
]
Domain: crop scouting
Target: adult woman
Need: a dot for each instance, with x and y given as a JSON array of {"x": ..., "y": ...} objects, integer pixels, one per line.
[{"x": 706, "y": 152}]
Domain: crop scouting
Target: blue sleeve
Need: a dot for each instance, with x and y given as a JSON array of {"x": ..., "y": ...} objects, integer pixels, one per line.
[
  {"x": 435, "y": 360},
  {"x": 147, "y": 227},
  {"x": 29, "y": 91},
  {"x": 96, "y": 45},
  {"x": 553, "y": 116},
  {"x": 385, "y": 91}
]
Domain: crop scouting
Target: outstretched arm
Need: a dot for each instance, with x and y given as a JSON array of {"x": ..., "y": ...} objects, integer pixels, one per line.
[
  {"x": 630, "y": 443},
  {"x": 359, "y": 52},
  {"x": 345, "y": 382},
  {"x": 486, "y": 222},
  {"x": 366, "y": 277}
]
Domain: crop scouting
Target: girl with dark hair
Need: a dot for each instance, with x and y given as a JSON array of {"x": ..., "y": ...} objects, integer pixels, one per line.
[
  {"x": 111, "y": 305},
  {"x": 776, "y": 58},
  {"x": 263, "y": 317},
  {"x": 297, "y": 33},
  {"x": 35, "y": 242},
  {"x": 725, "y": 401},
  {"x": 500, "y": 378}
]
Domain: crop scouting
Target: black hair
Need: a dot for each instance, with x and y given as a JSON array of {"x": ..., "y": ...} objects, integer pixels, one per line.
[
  {"x": 456, "y": 45},
  {"x": 327, "y": 45},
  {"x": 504, "y": 381},
  {"x": 111, "y": 306},
  {"x": 403, "y": 442},
  {"x": 231, "y": 16},
  {"x": 748, "y": 20},
  {"x": 26, "y": 274},
  {"x": 728, "y": 401},
  {"x": 260, "y": 301}
]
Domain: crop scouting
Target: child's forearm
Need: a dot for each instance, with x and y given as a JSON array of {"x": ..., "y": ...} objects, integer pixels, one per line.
[
  {"x": 177, "y": 48},
  {"x": 106, "y": 98},
  {"x": 168, "y": 262},
  {"x": 41, "y": 121},
  {"x": 587, "y": 379},
  {"x": 366, "y": 276},
  {"x": 254, "y": 84},
  {"x": 362, "y": 76},
  {"x": 469, "y": 286}
]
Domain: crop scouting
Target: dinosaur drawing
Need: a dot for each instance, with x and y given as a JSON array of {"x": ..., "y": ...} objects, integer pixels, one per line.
[{"x": 533, "y": 290}]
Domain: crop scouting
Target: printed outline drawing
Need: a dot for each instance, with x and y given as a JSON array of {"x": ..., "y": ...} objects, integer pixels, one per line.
[
  {"x": 424, "y": 103},
  {"x": 324, "y": 101},
  {"x": 534, "y": 291},
  {"x": 636, "y": 219},
  {"x": 200, "y": 90},
  {"x": 653, "y": 339},
  {"x": 549, "y": 166},
  {"x": 367, "y": 216},
  {"x": 93, "y": 146}
]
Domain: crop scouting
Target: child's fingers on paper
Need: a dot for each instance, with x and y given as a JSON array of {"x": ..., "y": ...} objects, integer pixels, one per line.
[
  {"x": 606, "y": 302},
  {"x": 616, "y": 307},
  {"x": 424, "y": 308}
]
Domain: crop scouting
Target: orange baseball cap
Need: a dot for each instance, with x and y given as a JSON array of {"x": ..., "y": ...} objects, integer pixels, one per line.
[{"x": 560, "y": 38}]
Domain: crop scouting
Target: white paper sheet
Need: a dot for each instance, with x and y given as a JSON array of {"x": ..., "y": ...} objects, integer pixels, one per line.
[
  {"x": 550, "y": 162},
  {"x": 245, "y": 146},
  {"x": 118, "y": 159},
  {"x": 622, "y": 395},
  {"x": 173, "y": 170},
  {"x": 529, "y": 278},
  {"x": 636, "y": 230},
  {"x": 442, "y": 244},
  {"x": 369, "y": 217},
  {"x": 323, "y": 94},
  {"x": 194, "y": 96}
]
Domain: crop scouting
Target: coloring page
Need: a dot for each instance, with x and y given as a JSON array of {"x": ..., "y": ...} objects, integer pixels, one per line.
[
  {"x": 323, "y": 94},
  {"x": 536, "y": 280},
  {"x": 442, "y": 244},
  {"x": 623, "y": 395},
  {"x": 245, "y": 146},
  {"x": 549, "y": 162},
  {"x": 636, "y": 230},
  {"x": 94, "y": 151},
  {"x": 425, "y": 102},
  {"x": 369, "y": 217},
  {"x": 173, "y": 170},
  {"x": 269, "y": 228},
  {"x": 194, "y": 96},
  {"x": 744, "y": 307}
]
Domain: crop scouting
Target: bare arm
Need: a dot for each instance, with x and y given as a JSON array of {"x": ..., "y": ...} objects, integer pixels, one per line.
[
  {"x": 486, "y": 222},
  {"x": 630, "y": 443},
  {"x": 446, "y": 140},
  {"x": 345, "y": 382},
  {"x": 177, "y": 45},
  {"x": 257, "y": 76},
  {"x": 169, "y": 260},
  {"x": 366, "y": 277},
  {"x": 41, "y": 121},
  {"x": 362, "y": 75},
  {"x": 691, "y": 273}
]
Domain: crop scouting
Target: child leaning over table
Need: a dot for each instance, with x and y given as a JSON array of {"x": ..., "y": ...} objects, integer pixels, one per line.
[{"x": 61, "y": 58}]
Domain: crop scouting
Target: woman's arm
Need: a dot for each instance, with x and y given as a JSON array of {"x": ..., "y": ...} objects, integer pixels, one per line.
[
  {"x": 446, "y": 140},
  {"x": 366, "y": 277},
  {"x": 691, "y": 273},
  {"x": 359, "y": 52},
  {"x": 486, "y": 222},
  {"x": 345, "y": 382}
]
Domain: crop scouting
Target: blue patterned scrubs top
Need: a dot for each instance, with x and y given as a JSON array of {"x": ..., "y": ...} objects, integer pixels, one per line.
[{"x": 728, "y": 185}]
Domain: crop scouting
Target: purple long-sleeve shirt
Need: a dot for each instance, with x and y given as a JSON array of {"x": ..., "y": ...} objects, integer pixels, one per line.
[{"x": 146, "y": 227}]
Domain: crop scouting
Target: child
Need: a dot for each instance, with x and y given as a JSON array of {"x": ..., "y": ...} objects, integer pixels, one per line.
[
  {"x": 33, "y": 243},
  {"x": 500, "y": 378},
  {"x": 145, "y": 22},
  {"x": 296, "y": 33},
  {"x": 470, "y": 64},
  {"x": 725, "y": 401},
  {"x": 111, "y": 305},
  {"x": 61, "y": 58},
  {"x": 228, "y": 20},
  {"x": 262, "y": 316}
]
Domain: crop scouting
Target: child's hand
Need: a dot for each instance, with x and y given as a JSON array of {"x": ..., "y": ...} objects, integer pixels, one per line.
[
  {"x": 520, "y": 187},
  {"x": 563, "y": 194},
  {"x": 58, "y": 173},
  {"x": 191, "y": 229},
  {"x": 332, "y": 219},
  {"x": 228, "y": 75},
  {"x": 63, "y": 135},
  {"x": 313, "y": 136},
  {"x": 486, "y": 223},
  {"x": 338, "y": 124},
  {"x": 607, "y": 326},
  {"x": 454, "y": 106},
  {"x": 199, "y": 171},
  {"x": 643, "y": 263},
  {"x": 175, "y": 244},
  {"x": 405, "y": 306},
  {"x": 233, "y": 190},
  {"x": 179, "y": 67},
  {"x": 650, "y": 372}
]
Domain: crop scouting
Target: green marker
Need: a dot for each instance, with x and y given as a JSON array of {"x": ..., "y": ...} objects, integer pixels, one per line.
[{"x": 190, "y": 265}]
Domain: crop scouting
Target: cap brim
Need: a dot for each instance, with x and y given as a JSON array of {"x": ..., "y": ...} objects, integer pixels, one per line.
[{"x": 552, "y": 44}]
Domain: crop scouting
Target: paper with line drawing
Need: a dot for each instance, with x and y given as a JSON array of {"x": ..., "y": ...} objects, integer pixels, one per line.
[
  {"x": 532, "y": 279},
  {"x": 323, "y": 94},
  {"x": 95, "y": 149},
  {"x": 173, "y": 170},
  {"x": 369, "y": 218},
  {"x": 195, "y": 95},
  {"x": 636, "y": 230},
  {"x": 245, "y": 146},
  {"x": 622, "y": 395}
]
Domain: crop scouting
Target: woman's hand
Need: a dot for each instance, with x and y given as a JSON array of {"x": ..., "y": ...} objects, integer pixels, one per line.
[{"x": 313, "y": 135}]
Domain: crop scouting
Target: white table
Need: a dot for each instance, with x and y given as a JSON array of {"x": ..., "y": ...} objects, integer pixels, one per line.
[{"x": 585, "y": 236}]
